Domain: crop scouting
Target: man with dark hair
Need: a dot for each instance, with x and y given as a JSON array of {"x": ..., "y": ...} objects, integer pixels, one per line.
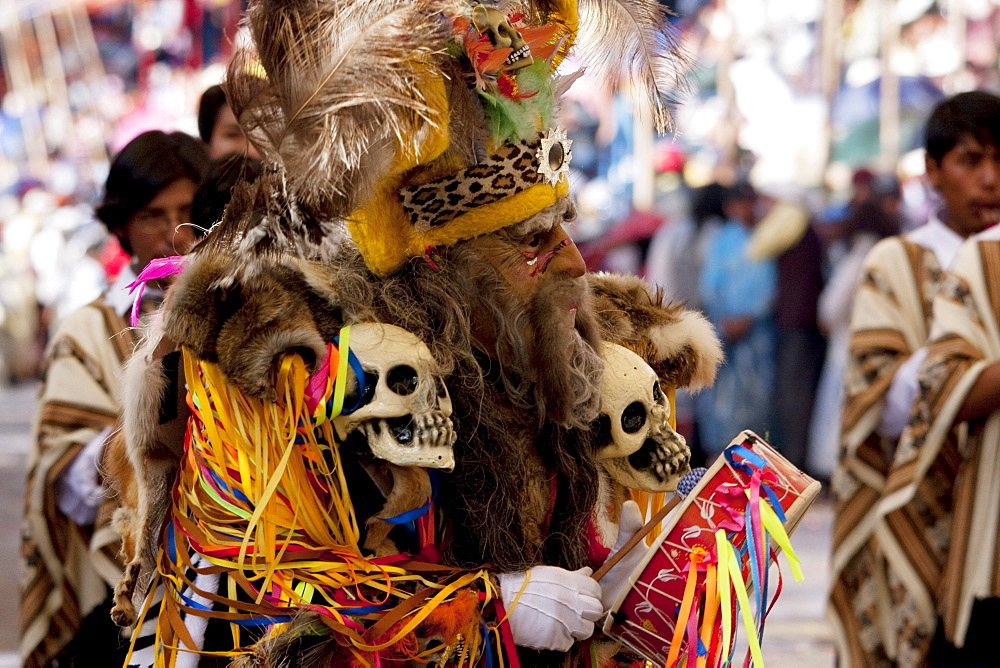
[
  {"x": 70, "y": 550},
  {"x": 911, "y": 509},
  {"x": 957, "y": 120}
]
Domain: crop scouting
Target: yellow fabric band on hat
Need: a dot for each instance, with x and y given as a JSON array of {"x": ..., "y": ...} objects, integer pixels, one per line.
[{"x": 386, "y": 239}]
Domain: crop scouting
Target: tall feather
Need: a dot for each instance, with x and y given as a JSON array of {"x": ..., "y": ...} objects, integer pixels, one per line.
[
  {"x": 633, "y": 39},
  {"x": 340, "y": 91}
]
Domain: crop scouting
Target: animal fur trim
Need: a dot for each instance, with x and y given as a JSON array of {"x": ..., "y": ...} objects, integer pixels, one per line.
[
  {"x": 141, "y": 464},
  {"x": 679, "y": 344}
]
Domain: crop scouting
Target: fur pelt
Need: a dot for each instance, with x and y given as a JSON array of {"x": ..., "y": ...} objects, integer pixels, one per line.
[
  {"x": 244, "y": 315},
  {"x": 679, "y": 344},
  {"x": 142, "y": 464}
]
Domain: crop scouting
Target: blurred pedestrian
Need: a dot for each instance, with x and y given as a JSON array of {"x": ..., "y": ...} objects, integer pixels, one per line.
[
  {"x": 786, "y": 236},
  {"x": 915, "y": 532},
  {"x": 867, "y": 224},
  {"x": 218, "y": 128},
  {"x": 677, "y": 250},
  {"x": 673, "y": 263},
  {"x": 69, "y": 548},
  {"x": 737, "y": 294}
]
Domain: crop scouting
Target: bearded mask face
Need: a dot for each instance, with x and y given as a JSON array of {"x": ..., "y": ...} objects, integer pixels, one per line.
[{"x": 543, "y": 330}]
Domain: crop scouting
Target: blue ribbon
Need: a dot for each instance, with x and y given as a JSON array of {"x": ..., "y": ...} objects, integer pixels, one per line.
[
  {"x": 753, "y": 460},
  {"x": 753, "y": 463},
  {"x": 488, "y": 647},
  {"x": 235, "y": 492},
  {"x": 257, "y": 621},
  {"x": 767, "y": 575},
  {"x": 755, "y": 566},
  {"x": 364, "y": 610},
  {"x": 417, "y": 513}
]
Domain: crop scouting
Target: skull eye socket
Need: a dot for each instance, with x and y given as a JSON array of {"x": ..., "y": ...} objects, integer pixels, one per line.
[
  {"x": 402, "y": 379},
  {"x": 657, "y": 392},
  {"x": 633, "y": 417},
  {"x": 352, "y": 400},
  {"x": 507, "y": 34},
  {"x": 371, "y": 381}
]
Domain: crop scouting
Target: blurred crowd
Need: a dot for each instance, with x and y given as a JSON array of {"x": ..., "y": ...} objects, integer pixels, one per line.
[{"x": 767, "y": 237}]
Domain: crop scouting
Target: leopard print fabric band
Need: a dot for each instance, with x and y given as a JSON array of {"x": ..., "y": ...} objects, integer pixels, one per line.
[{"x": 508, "y": 171}]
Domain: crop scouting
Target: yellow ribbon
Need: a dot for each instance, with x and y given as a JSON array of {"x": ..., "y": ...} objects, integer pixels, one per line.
[
  {"x": 739, "y": 586},
  {"x": 776, "y": 529}
]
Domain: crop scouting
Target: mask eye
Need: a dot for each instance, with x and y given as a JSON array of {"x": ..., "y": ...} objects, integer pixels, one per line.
[
  {"x": 534, "y": 241},
  {"x": 633, "y": 417}
]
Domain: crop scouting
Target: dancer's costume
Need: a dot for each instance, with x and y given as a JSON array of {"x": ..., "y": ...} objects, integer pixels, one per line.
[{"x": 394, "y": 132}]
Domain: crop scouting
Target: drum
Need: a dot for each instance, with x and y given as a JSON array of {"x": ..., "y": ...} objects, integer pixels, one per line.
[{"x": 706, "y": 574}]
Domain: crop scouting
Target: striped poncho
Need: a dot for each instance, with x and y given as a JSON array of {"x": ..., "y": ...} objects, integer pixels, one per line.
[{"x": 69, "y": 568}]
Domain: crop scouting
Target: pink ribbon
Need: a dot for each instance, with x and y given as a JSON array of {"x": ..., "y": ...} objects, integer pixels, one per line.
[
  {"x": 316, "y": 385},
  {"x": 160, "y": 267}
]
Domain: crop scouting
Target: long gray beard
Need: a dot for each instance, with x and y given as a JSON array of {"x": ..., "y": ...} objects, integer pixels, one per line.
[
  {"x": 566, "y": 361},
  {"x": 547, "y": 366}
]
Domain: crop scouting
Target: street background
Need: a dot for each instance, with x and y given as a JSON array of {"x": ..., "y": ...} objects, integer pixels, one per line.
[{"x": 819, "y": 104}]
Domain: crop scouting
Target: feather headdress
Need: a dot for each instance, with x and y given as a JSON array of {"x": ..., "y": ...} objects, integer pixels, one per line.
[{"x": 423, "y": 123}]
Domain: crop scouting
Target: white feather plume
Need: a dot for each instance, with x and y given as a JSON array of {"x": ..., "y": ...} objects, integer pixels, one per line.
[{"x": 632, "y": 39}]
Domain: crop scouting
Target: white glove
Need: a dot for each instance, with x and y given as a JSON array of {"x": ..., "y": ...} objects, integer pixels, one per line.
[
  {"x": 79, "y": 493},
  {"x": 556, "y": 608},
  {"x": 900, "y": 396},
  {"x": 617, "y": 579}
]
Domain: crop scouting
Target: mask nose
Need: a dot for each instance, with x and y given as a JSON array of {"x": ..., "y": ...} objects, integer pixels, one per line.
[{"x": 567, "y": 261}]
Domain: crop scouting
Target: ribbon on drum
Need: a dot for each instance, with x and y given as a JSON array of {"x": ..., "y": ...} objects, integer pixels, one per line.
[{"x": 721, "y": 575}]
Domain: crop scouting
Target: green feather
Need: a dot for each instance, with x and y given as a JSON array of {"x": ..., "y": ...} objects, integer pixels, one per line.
[{"x": 516, "y": 120}]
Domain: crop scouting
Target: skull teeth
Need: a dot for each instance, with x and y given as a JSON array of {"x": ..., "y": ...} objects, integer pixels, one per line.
[
  {"x": 517, "y": 55},
  {"x": 434, "y": 431}
]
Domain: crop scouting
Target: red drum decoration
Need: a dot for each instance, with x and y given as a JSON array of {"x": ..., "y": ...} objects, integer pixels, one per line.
[{"x": 706, "y": 574}]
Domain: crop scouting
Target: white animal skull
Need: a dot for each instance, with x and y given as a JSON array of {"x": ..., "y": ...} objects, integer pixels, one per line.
[
  {"x": 636, "y": 444},
  {"x": 406, "y": 414}
]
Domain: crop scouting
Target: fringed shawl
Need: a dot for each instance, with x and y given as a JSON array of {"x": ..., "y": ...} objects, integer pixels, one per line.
[
  {"x": 69, "y": 568},
  {"x": 889, "y": 322},
  {"x": 941, "y": 502}
]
